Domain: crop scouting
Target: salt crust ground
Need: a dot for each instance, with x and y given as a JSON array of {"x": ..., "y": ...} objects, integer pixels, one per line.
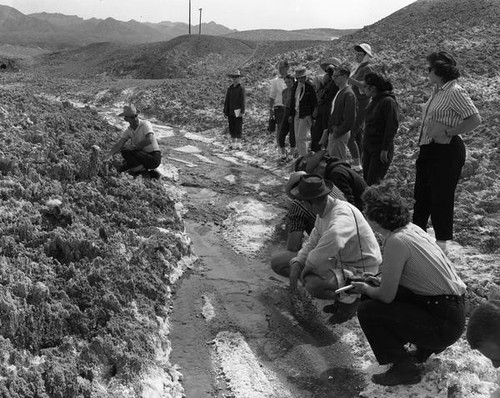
[{"x": 458, "y": 372}]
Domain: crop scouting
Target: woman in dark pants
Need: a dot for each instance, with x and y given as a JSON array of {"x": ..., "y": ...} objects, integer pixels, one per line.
[
  {"x": 419, "y": 298},
  {"x": 363, "y": 56},
  {"x": 448, "y": 113},
  {"x": 381, "y": 125}
]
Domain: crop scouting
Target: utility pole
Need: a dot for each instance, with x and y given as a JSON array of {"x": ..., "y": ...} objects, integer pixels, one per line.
[
  {"x": 189, "y": 16},
  {"x": 199, "y": 31}
]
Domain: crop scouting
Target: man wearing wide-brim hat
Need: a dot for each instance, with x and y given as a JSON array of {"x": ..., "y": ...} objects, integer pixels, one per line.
[
  {"x": 138, "y": 145},
  {"x": 341, "y": 243},
  {"x": 299, "y": 222},
  {"x": 302, "y": 105}
]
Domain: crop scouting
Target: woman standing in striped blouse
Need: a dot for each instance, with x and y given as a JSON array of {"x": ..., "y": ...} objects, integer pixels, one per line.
[
  {"x": 419, "y": 298},
  {"x": 448, "y": 113}
]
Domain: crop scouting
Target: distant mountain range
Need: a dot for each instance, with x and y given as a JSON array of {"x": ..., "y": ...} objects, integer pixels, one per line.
[{"x": 59, "y": 31}]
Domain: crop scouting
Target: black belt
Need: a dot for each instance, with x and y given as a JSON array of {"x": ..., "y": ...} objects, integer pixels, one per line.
[{"x": 435, "y": 300}]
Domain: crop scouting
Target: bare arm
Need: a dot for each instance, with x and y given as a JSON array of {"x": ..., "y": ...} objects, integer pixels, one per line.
[
  {"x": 395, "y": 256},
  {"x": 145, "y": 142},
  {"x": 118, "y": 146},
  {"x": 294, "y": 242},
  {"x": 466, "y": 126}
]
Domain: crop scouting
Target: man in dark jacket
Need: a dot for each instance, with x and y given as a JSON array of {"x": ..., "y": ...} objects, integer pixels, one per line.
[
  {"x": 302, "y": 105},
  {"x": 325, "y": 92},
  {"x": 349, "y": 182},
  {"x": 381, "y": 125},
  {"x": 234, "y": 109},
  {"x": 342, "y": 117}
]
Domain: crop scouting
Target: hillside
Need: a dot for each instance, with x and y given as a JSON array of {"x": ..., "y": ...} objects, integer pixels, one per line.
[
  {"x": 58, "y": 31},
  {"x": 289, "y": 35},
  {"x": 189, "y": 55}
]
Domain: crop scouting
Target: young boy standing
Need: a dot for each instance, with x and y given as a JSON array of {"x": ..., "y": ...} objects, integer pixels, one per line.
[{"x": 234, "y": 109}]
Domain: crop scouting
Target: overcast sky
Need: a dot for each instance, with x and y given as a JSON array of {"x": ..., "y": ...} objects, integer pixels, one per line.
[{"x": 234, "y": 14}]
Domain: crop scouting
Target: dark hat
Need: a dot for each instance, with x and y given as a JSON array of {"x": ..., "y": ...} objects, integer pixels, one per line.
[
  {"x": 313, "y": 160},
  {"x": 330, "y": 62},
  {"x": 300, "y": 71},
  {"x": 235, "y": 73},
  {"x": 311, "y": 187},
  {"x": 293, "y": 180}
]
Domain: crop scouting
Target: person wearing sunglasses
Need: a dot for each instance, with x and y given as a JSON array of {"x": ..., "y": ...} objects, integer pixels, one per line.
[{"x": 448, "y": 114}]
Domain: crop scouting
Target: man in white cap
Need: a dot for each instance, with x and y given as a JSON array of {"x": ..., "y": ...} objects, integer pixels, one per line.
[
  {"x": 364, "y": 54},
  {"x": 142, "y": 154}
]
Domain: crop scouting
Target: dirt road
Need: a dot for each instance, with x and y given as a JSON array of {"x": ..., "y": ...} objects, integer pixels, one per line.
[{"x": 235, "y": 332}]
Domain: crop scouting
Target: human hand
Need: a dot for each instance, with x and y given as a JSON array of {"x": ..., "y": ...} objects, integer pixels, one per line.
[
  {"x": 384, "y": 157},
  {"x": 309, "y": 269},
  {"x": 358, "y": 287},
  {"x": 438, "y": 132}
]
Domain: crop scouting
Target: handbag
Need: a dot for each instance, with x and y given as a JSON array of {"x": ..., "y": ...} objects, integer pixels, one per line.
[{"x": 271, "y": 124}]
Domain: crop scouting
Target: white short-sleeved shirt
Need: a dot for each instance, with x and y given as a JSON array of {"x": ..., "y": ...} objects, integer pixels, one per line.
[
  {"x": 140, "y": 133},
  {"x": 277, "y": 86}
]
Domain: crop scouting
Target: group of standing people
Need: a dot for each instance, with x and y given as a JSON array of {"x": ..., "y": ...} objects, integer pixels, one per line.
[
  {"x": 342, "y": 111},
  {"x": 417, "y": 296}
]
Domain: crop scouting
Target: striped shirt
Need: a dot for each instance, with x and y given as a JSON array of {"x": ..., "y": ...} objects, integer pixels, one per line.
[
  {"x": 427, "y": 270},
  {"x": 301, "y": 218},
  {"x": 448, "y": 105}
]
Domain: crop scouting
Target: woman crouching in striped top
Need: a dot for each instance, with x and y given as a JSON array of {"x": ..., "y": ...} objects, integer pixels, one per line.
[
  {"x": 419, "y": 298},
  {"x": 448, "y": 113}
]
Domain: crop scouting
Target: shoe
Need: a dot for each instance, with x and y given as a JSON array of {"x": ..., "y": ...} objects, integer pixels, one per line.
[
  {"x": 341, "y": 312},
  {"x": 154, "y": 174},
  {"x": 404, "y": 372}
]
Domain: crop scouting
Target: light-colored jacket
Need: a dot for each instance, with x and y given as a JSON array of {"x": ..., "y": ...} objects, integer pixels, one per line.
[{"x": 341, "y": 238}]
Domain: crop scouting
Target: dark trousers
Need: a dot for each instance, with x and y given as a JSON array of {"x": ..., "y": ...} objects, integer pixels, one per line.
[
  {"x": 430, "y": 322},
  {"x": 286, "y": 129},
  {"x": 320, "y": 124},
  {"x": 134, "y": 158},
  {"x": 235, "y": 126},
  {"x": 356, "y": 140},
  {"x": 279, "y": 115},
  {"x": 438, "y": 170},
  {"x": 374, "y": 170}
]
